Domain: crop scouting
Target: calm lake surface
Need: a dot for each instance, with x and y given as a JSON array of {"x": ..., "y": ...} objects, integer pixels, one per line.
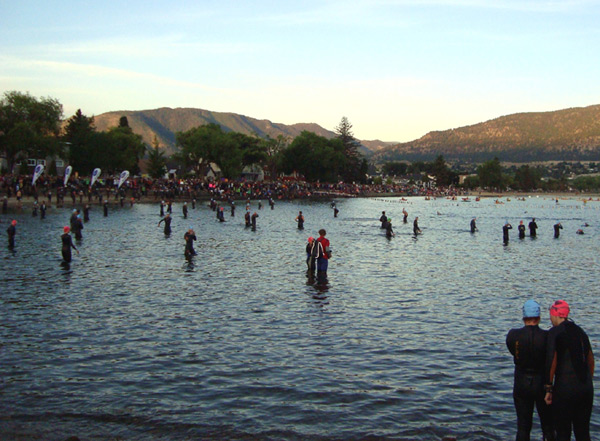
[{"x": 405, "y": 339}]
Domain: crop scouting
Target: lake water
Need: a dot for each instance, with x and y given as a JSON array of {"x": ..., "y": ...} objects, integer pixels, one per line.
[{"x": 405, "y": 339}]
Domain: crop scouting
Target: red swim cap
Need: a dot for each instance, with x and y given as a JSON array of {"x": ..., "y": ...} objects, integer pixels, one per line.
[
  {"x": 560, "y": 308},
  {"x": 67, "y": 229},
  {"x": 13, "y": 223}
]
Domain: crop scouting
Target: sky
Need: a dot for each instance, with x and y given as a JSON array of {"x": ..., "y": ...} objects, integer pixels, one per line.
[{"x": 396, "y": 69}]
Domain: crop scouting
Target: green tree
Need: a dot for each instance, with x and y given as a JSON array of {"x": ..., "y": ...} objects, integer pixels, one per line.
[
  {"x": 274, "y": 148},
  {"x": 443, "y": 175},
  {"x": 157, "y": 162},
  {"x": 315, "y": 157},
  {"x": 28, "y": 126},
  {"x": 125, "y": 149},
  {"x": 490, "y": 174},
  {"x": 198, "y": 146},
  {"x": 78, "y": 133},
  {"x": 355, "y": 166},
  {"x": 527, "y": 178}
]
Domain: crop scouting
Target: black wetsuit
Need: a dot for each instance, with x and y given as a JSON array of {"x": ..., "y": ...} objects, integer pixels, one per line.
[
  {"x": 232, "y": 210},
  {"x": 383, "y": 220},
  {"x": 335, "y": 212},
  {"x": 310, "y": 263},
  {"x": 167, "y": 221},
  {"x": 162, "y": 209},
  {"x": 189, "y": 244},
  {"x": 67, "y": 244},
  {"x": 505, "y": 229},
  {"x": 521, "y": 229},
  {"x": 388, "y": 230},
  {"x": 568, "y": 362},
  {"x": 557, "y": 228},
  {"x": 12, "y": 231},
  {"x": 416, "y": 228},
  {"x": 77, "y": 227},
  {"x": 528, "y": 347},
  {"x": 185, "y": 211},
  {"x": 254, "y": 216},
  {"x": 473, "y": 226},
  {"x": 247, "y": 218},
  {"x": 105, "y": 210},
  {"x": 86, "y": 213},
  {"x": 532, "y": 229},
  {"x": 300, "y": 222},
  {"x": 43, "y": 211},
  {"x": 405, "y": 218}
]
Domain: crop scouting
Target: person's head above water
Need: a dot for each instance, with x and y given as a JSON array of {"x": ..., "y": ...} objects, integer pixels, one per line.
[
  {"x": 560, "y": 308},
  {"x": 310, "y": 239},
  {"x": 322, "y": 232},
  {"x": 531, "y": 309},
  {"x": 66, "y": 229},
  {"x": 13, "y": 223}
]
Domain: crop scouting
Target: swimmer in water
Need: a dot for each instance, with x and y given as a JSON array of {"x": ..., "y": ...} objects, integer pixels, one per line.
[
  {"x": 106, "y": 208},
  {"x": 78, "y": 226},
  {"x": 12, "y": 232},
  {"x": 521, "y": 229},
  {"x": 254, "y": 216},
  {"x": 310, "y": 263},
  {"x": 162, "y": 208},
  {"x": 189, "y": 237},
  {"x": 43, "y": 210},
  {"x": 473, "y": 225},
  {"x": 185, "y": 210},
  {"x": 505, "y": 229},
  {"x": 86, "y": 213},
  {"x": 533, "y": 228},
  {"x": 167, "y": 220},
  {"x": 67, "y": 244},
  {"x": 405, "y": 214},
  {"x": 557, "y": 228},
  {"x": 247, "y": 218},
  {"x": 389, "y": 232},
  {"x": 383, "y": 219},
  {"x": 416, "y": 229},
  {"x": 300, "y": 220}
]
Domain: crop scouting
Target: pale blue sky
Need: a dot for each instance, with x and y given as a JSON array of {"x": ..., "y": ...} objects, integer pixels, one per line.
[{"x": 396, "y": 68}]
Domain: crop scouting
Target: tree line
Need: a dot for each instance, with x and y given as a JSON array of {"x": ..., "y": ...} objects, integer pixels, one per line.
[{"x": 33, "y": 128}]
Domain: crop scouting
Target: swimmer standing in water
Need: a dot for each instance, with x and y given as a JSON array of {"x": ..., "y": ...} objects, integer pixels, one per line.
[
  {"x": 167, "y": 220},
  {"x": 67, "y": 244},
  {"x": 416, "y": 229},
  {"x": 189, "y": 237},
  {"x": 300, "y": 220}
]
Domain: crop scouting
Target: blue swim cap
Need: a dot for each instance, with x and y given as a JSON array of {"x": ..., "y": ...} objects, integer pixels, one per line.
[{"x": 531, "y": 308}]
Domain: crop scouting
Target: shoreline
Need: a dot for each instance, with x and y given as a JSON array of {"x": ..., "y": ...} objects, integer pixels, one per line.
[{"x": 28, "y": 201}]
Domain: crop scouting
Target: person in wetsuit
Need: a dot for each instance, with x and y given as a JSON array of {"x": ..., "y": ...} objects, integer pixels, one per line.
[
  {"x": 43, "y": 210},
  {"x": 300, "y": 221},
  {"x": 12, "y": 232},
  {"x": 505, "y": 229},
  {"x": 335, "y": 211},
  {"x": 77, "y": 227},
  {"x": 185, "y": 210},
  {"x": 310, "y": 263},
  {"x": 569, "y": 372},
  {"x": 383, "y": 219},
  {"x": 416, "y": 228},
  {"x": 405, "y": 216},
  {"x": 532, "y": 228},
  {"x": 162, "y": 208},
  {"x": 473, "y": 225},
  {"x": 67, "y": 244},
  {"x": 189, "y": 237},
  {"x": 254, "y": 216},
  {"x": 167, "y": 220},
  {"x": 389, "y": 232},
  {"x": 557, "y": 228},
  {"x": 106, "y": 208},
  {"x": 247, "y": 219},
  {"x": 232, "y": 209},
  {"x": 86, "y": 213},
  {"x": 521, "y": 229},
  {"x": 528, "y": 348}
]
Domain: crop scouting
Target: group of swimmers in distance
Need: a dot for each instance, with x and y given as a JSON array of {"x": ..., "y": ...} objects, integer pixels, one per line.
[{"x": 386, "y": 224}]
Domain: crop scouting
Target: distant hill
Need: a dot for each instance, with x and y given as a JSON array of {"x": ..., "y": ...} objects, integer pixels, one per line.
[
  {"x": 166, "y": 122},
  {"x": 570, "y": 134}
]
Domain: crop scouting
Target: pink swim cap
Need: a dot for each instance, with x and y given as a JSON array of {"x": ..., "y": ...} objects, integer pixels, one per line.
[
  {"x": 560, "y": 308},
  {"x": 310, "y": 239},
  {"x": 67, "y": 229}
]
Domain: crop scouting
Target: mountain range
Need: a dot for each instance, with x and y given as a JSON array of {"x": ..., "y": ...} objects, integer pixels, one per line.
[{"x": 569, "y": 134}]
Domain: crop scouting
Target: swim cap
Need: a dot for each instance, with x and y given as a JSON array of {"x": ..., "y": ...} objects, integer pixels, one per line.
[
  {"x": 531, "y": 308},
  {"x": 13, "y": 223},
  {"x": 560, "y": 308},
  {"x": 389, "y": 219},
  {"x": 67, "y": 229},
  {"x": 310, "y": 239}
]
